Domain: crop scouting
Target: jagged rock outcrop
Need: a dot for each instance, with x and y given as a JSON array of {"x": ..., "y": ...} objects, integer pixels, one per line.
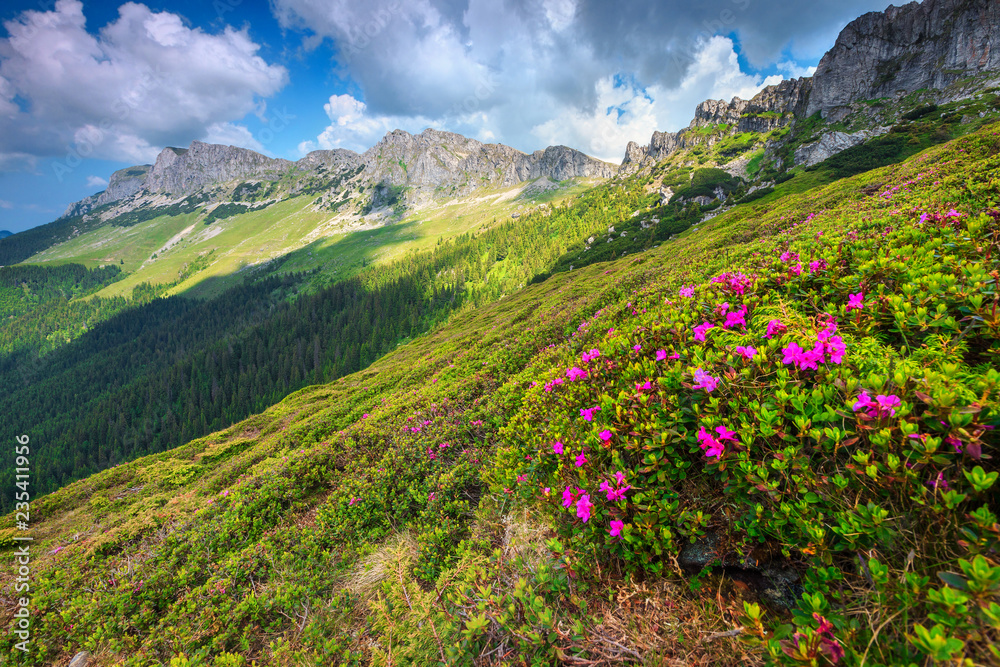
[
  {"x": 832, "y": 143},
  {"x": 123, "y": 183},
  {"x": 336, "y": 158},
  {"x": 903, "y": 49},
  {"x": 769, "y": 109},
  {"x": 180, "y": 171},
  {"x": 452, "y": 163}
]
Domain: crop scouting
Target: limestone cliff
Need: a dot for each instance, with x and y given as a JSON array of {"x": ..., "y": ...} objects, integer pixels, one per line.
[
  {"x": 903, "y": 49},
  {"x": 180, "y": 171}
]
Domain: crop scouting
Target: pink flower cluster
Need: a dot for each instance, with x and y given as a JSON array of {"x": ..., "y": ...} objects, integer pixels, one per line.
[
  {"x": 576, "y": 373},
  {"x": 713, "y": 445},
  {"x": 882, "y": 406},
  {"x": 828, "y": 348},
  {"x": 581, "y": 499},
  {"x": 699, "y": 331},
  {"x": 855, "y": 301},
  {"x": 687, "y": 291},
  {"x": 775, "y": 327},
  {"x": 587, "y": 357},
  {"x": 746, "y": 351},
  {"x": 736, "y": 283},
  {"x": 616, "y": 492},
  {"x": 734, "y": 318},
  {"x": 705, "y": 381},
  {"x": 588, "y": 413},
  {"x": 552, "y": 384}
]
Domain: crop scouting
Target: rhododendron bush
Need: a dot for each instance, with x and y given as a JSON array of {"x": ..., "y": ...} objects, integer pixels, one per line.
[{"x": 835, "y": 396}]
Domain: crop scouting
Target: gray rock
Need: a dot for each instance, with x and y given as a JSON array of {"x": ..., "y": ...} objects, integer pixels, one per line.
[
  {"x": 919, "y": 45},
  {"x": 81, "y": 659},
  {"x": 772, "y": 107},
  {"x": 180, "y": 171},
  {"x": 832, "y": 143},
  {"x": 436, "y": 161},
  {"x": 122, "y": 184}
]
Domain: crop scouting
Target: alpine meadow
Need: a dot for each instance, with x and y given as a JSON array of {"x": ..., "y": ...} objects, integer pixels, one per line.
[{"x": 731, "y": 398}]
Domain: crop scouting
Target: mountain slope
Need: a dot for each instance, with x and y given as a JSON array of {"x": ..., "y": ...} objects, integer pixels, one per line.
[{"x": 378, "y": 516}]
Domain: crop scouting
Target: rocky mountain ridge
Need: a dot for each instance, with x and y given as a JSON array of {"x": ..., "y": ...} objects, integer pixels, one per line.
[
  {"x": 926, "y": 46},
  {"x": 427, "y": 164}
]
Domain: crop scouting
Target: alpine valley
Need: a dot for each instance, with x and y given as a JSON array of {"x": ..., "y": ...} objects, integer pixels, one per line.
[{"x": 731, "y": 402}]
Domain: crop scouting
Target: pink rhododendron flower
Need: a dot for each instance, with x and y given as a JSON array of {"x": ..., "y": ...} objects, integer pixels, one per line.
[
  {"x": 796, "y": 269},
  {"x": 645, "y": 386},
  {"x": 747, "y": 352},
  {"x": 661, "y": 355},
  {"x": 888, "y": 404},
  {"x": 699, "y": 331},
  {"x": 616, "y": 528},
  {"x": 353, "y": 501},
  {"x": 604, "y": 435},
  {"x": 588, "y": 413},
  {"x": 725, "y": 433},
  {"x": 775, "y": 327},
  {"x": 735, "y": 283},
  {"x": 675, "y": 355},
  {"x": 855, "y": 301},
  {"x": 708, "y": 444},
  {"x": 792, "y": 353},
  {"x": 576, "y": 373},
  {"x": 580, "y": 460},
  {"x": 864, "y": 401},
  {"x": 817, "y": 265},
  {"x": 705, "y": 381},
  {"x": 619, "y": 477},
  {"x": 569, "y": 496},
  {"x": 557, "y": 447},
  {"x": 520, "y": 479},
  {"x": 583, "y": 507},
  {"x": 882, "y": 406},
  {"x": 590, "y": 356},
  {"x": 687, "y": 291},
  {"x": 433, "y": 495},
  {"x": 736, "y": 318},
  {"x": 789, "y": 256}
]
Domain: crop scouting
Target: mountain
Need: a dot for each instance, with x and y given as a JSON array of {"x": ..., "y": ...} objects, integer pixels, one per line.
[
  {"x": 4, "y": 233},
  {"x": 929, "y": 45},
  {"x": 430, "y": 165},
  {"x": 943, "y": 50}
]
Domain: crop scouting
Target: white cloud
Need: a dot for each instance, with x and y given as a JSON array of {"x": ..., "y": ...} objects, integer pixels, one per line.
[
  {"x": 623, "y": 111},
  {"x": 793, "y": 70},
  {"x": 530, "y": 73},
  {"x": 96, "y": 182},
  {"x": 143, "y": 81},
  {"x": 6, "y": 204}
]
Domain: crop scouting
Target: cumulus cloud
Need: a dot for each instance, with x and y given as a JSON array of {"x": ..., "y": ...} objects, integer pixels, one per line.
[
  {"x": 96, "y": 182},
  {"x": 143, "y": 81},
  {"x": 587, "y": 73}
]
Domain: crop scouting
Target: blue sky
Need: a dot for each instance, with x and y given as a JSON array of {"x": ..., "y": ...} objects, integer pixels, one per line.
[{"x": 90, "y": 87}]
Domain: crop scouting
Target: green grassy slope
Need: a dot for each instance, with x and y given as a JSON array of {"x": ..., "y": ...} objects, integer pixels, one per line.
[{"x": 421, "y": 511}]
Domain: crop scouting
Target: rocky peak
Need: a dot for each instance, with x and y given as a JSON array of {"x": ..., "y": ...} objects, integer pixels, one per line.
[
  {"x": 438, "y": 161},
  {"x": 771, "y": 108},
  {"x": 919, "y": 45},
  {"x": 336, "y": 158},
  {"x": 181, "y": 171}
]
